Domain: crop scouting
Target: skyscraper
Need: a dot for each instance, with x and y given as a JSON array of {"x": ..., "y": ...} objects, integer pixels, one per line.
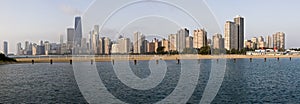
[
  {"x": 231, "y": 39},
  {"x": 107, "y": 46},
  {"x": 261, "y": 42},
  {"x": 95, "y": 39},
  {"x": 101, "y": 46},
  {"x": 138, "y": 43},
  {"x": 254, "y": 43},
  {"x": 269, "y": 42},
  {"x": 61, "y": 39},
  {"x": 181, "y": 39},
  {"x": 200, "y": 38},
  {"x": 19, "y": 49},
  {"x": 279, "y": 40},
  {"x": 5, "y": 47},
  {"x": 239, "y": 21},
  {"x": 70, "y": 37},
  {"x": 78, "y": 31},
  {"x": 151, "y": 47},
  {"x": 123, "y": 45},
  {"x": 234, "y": 34},
  {"x": 172, "y": 39},
  {"x": 165, "y": 44},
  {"x": 189, "y": 42},
  {"x": 218, "y": 41}
]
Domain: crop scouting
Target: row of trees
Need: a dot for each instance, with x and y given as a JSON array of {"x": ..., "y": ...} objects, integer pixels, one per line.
[
  {"x": 3, "y": 58},
  {"x": 204, "y": 51}
]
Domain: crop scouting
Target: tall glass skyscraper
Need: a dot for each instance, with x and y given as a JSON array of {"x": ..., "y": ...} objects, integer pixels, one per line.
[
  {"x": 5, "y": 47},
  {"x": 78, "y": 31}
]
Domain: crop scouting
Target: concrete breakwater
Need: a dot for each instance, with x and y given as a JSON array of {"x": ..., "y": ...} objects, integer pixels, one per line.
[{"x": 144, "y": 57}]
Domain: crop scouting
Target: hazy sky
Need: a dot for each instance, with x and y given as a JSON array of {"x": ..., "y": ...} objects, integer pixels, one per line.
[{"x": 35, "y": 20}]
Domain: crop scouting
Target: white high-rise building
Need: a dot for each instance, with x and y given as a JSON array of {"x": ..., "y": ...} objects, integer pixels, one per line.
[
  {"x": 269, "y": 42},
  {"x": 139, "y": 45},
  {"x": 172, "y": 39},
  {"x": 19, "y": 49},
  {"x": 107, "y": 46},
  {"x": 231, "y": 39},
  {"x": 279, "y": 40},
  {"x": 95, "y": 39},
  {"x": 124, "y": 45},
  {"x": 234, "y": 34},
  {"x": 181, "y": 39},
  {"x": 189, "y": 42},
  {"x": 200, "y": 38},
  {"x": 218, "y": 41}
]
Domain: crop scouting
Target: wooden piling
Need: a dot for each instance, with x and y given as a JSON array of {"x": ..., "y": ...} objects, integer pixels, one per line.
[{"x": 135, "y": 62}]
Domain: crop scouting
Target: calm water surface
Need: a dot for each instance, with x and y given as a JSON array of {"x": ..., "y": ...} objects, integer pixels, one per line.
[{"x": 244, "y": 82}]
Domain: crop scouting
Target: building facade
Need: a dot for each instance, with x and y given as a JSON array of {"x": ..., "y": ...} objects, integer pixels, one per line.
[
  {"x": 139, "y": 45},
  {"x": 234, "y": 34},
  {"x": 200, "y": 38},
  {"x": 218, "y": 42},
  {"x": 279, "y": 40},
  {"x": 181, "y": 39},
  {"x": 5, "y": 47},
  {"x": 172, "y": 39}
]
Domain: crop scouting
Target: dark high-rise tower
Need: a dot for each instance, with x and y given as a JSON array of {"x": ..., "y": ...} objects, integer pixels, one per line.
[
  {"x": 78, "y": 32},
  {"x": 5, "y": 47},
  {"x": 239, "y": 21},
  {"x": 234, "y": 34}
]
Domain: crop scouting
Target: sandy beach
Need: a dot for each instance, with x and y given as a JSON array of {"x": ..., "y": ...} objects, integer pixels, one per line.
[{"x": 144, "y": 57}]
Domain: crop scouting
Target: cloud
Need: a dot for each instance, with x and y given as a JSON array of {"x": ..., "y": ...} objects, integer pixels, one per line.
[{"x": 69, "y": 10}]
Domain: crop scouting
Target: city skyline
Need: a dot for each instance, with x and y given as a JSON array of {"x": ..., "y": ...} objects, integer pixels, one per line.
[
  {"x": 181, "y": 42},
  {"x": 66, "y": 10}
]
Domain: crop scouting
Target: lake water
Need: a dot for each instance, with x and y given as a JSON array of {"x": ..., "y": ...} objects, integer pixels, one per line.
[{"x": 244, "y": 82}]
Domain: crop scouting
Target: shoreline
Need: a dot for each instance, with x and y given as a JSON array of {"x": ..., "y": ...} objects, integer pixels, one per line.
[{"x": 144, "y": 58}]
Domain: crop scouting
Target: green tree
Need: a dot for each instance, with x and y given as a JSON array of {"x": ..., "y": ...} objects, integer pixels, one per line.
[{"x": 204, "y": 50}]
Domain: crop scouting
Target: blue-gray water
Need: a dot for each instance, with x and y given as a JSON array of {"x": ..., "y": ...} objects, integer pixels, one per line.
[{"x": 244, "y": 82}]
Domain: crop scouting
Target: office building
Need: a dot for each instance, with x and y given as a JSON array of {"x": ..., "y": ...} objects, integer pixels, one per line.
[
  {"x": 269, "y": 42},
  {"x": 234, "y": 34},
  {"x": 123, "y": 45},
  {"x": 19, "y": 49},
  {"x": 279, "y": 40},
  {"x": 239, "y": 23},
  {"x": 172, "y": 39},
  {"x": 151, "y": 47},
  {"x": 94, "y": 40},
  {"x": 218, "y": 42},
  {"x": 5, "y": 47},
  {"x": 138, "y": 43},
  {"x": 181, "y": 39},
  {"x": 230, "y": 40},
  {"x": 165, "y": 44},
  {"x": 189, "y": 42},
  {"x": 107, "y": 46},
  {"x": 200, "y": 38},
  {"x": 70, "y": 36},
  {"x": 78, "y": 32},
  {"x": 101, "y": 46}
]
